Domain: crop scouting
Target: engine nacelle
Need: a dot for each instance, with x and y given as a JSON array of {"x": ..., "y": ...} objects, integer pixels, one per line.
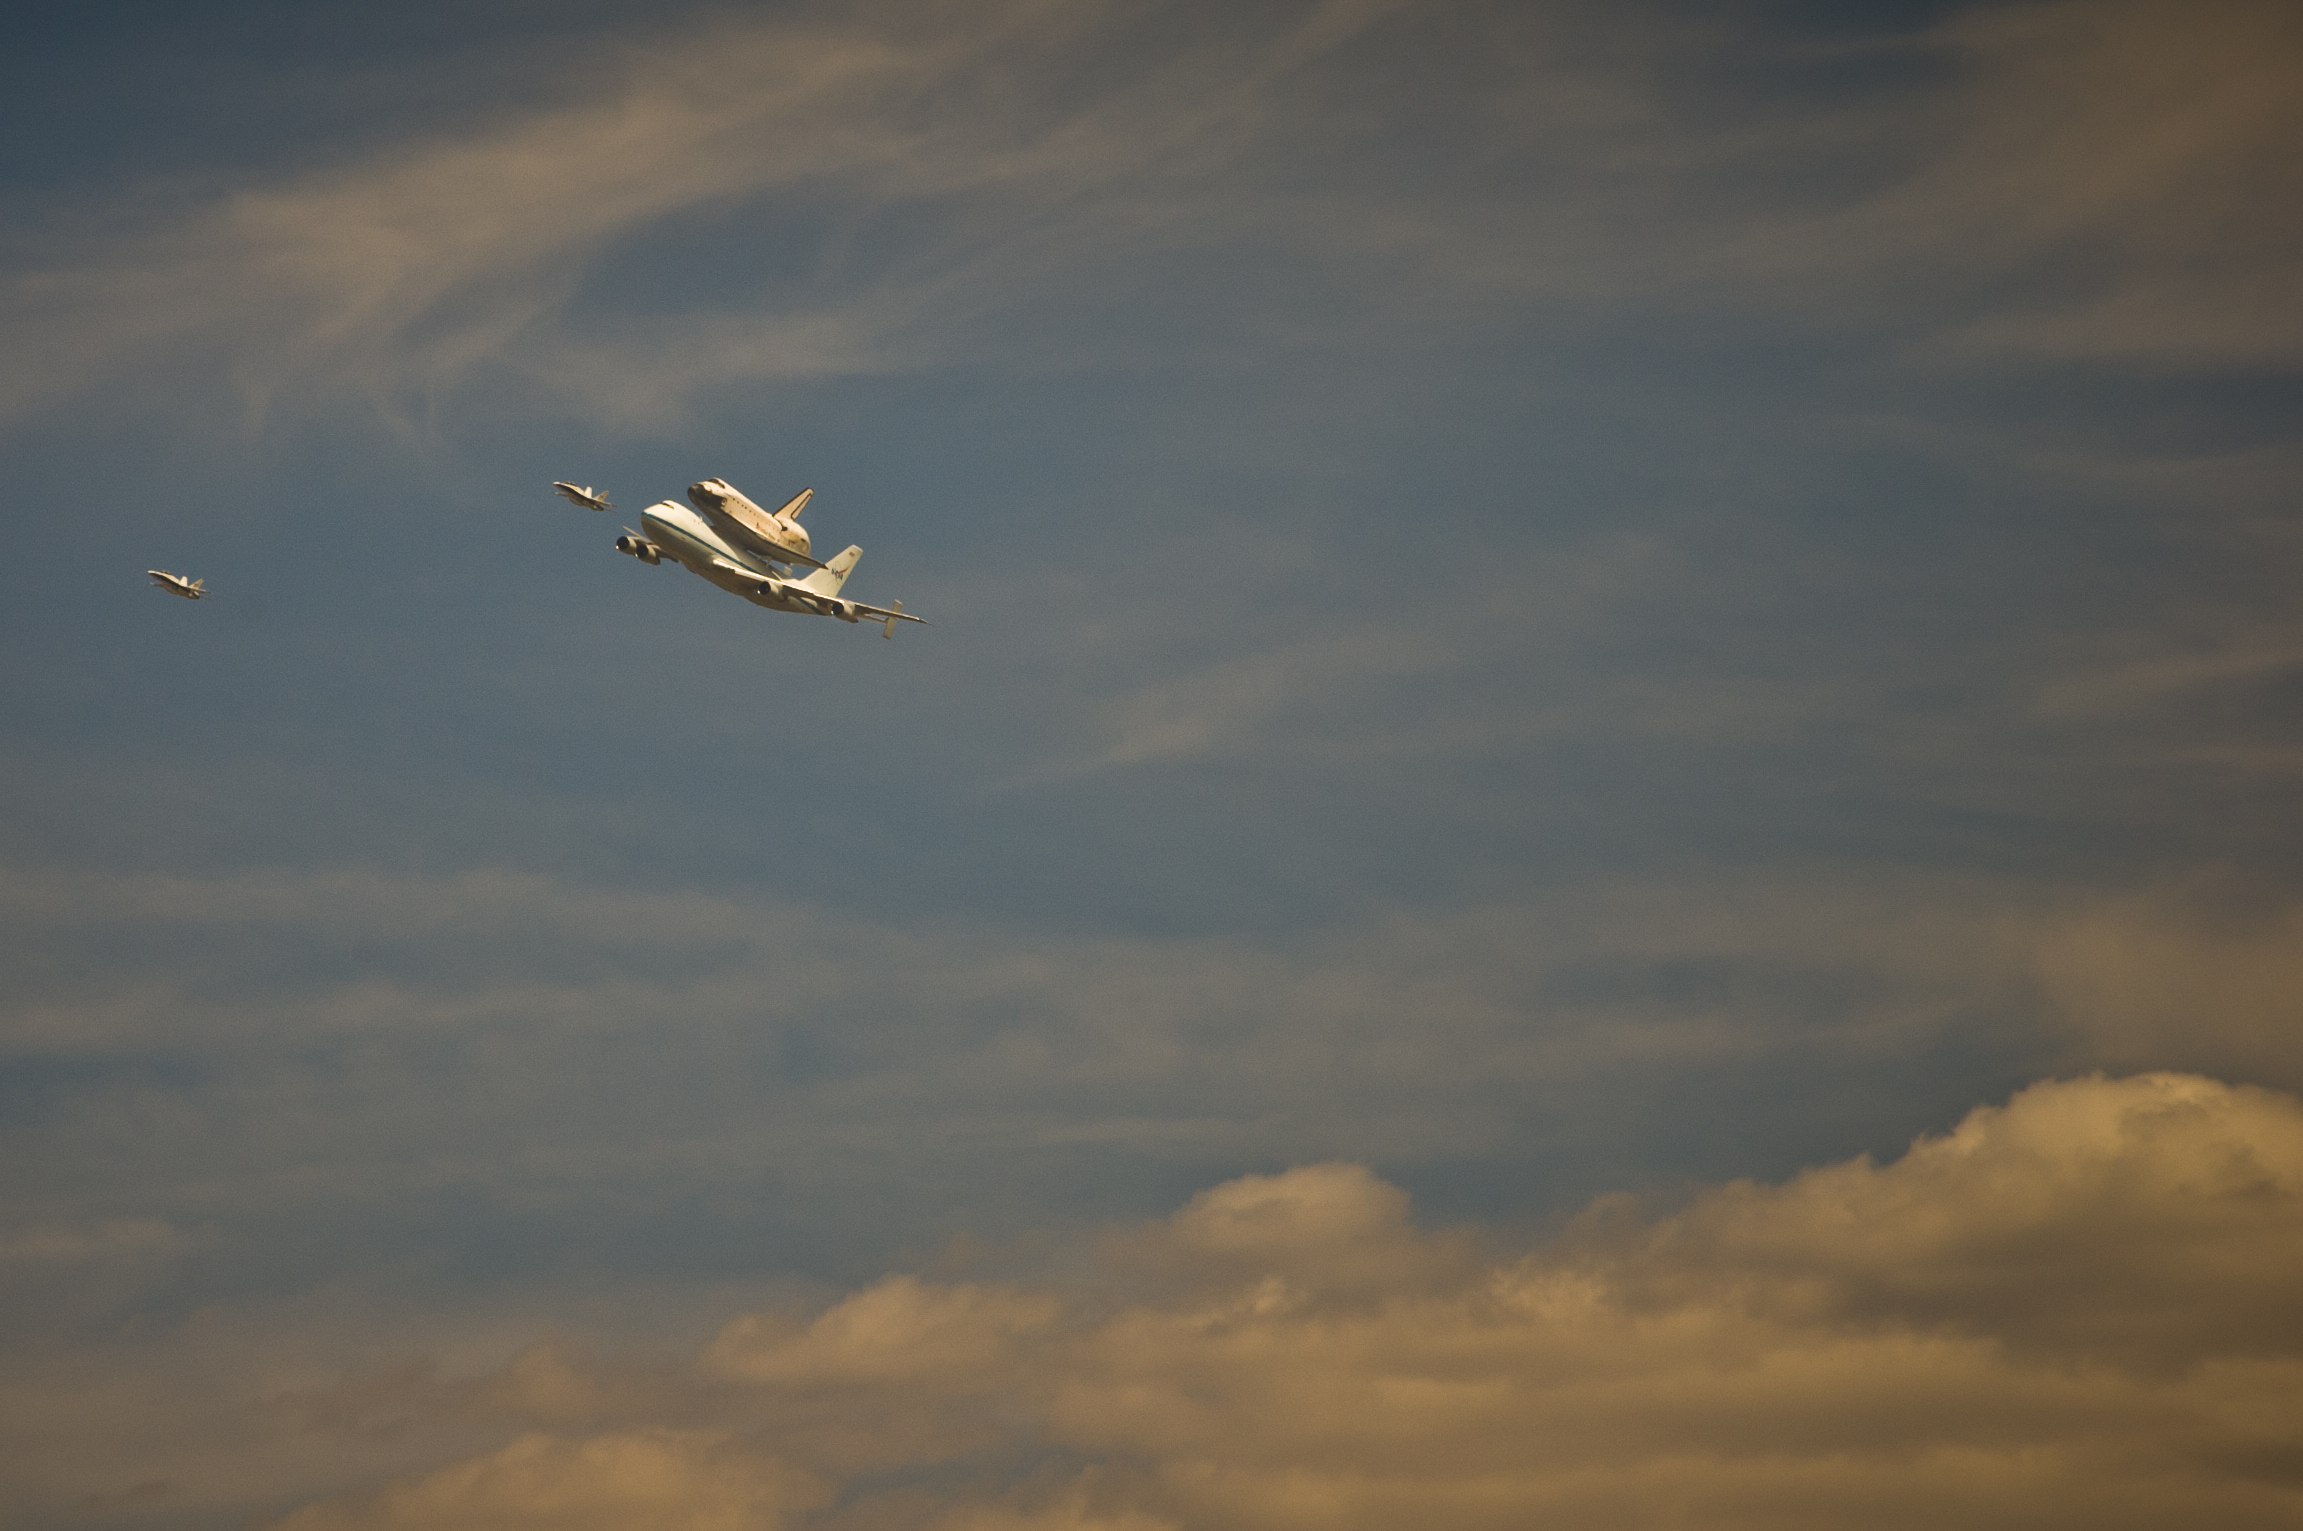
[
  {"x": 845, "y": 611},
  {"x": 640, "y": 548}
]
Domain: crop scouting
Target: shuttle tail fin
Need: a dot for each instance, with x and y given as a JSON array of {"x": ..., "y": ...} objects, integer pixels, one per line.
[{"x": 828, "y": 579}]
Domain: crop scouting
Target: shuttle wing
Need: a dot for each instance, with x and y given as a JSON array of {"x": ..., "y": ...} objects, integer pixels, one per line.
[{"x": 748, "y": 576}]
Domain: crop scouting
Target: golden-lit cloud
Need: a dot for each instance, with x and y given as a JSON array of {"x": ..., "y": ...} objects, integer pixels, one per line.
[
  {"x": 679, "y": 1480},
  {"x": 2073, "y": 1310}
]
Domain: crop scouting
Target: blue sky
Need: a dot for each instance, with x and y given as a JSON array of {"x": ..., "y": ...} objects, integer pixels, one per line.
[{"x": 1549, "y": 601}]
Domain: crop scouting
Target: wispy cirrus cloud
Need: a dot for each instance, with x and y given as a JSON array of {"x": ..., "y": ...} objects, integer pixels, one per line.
[
  {"x": 404, "y": 274},
  {"x": 2071, "y": 181}
]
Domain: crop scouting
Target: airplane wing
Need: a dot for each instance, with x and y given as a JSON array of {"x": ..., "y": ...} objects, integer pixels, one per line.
[
  {"x": 883, "y": 614},
  {"x": 887, "y": 617}
]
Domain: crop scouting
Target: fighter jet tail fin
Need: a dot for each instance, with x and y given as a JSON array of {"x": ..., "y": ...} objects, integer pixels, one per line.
[{"x": 828, "y": 579}]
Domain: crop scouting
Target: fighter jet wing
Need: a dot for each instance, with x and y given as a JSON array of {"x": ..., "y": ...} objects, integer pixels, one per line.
[{"x": 584, "y": 495}]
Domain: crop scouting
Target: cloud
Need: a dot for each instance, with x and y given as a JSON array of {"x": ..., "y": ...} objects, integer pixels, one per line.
[
  {"x": 895, "y": 190},
  {"x": 261, "y": 1040},
  {"x": 424, "y": 268},
  {"x": 2072, "y": 182},
  {"x": 2141, "y": 685},
  {"x": 116, "y": 1239},
  {"x": 2133, "y": 150},
  {"x": 2146, "y": 1221},
  {"x": 2075, "y": 1309},
  {"x": 1242, "y": 706},
  {"x": 2205, "y": 972},
  {"x": 679, "y": 1480}
]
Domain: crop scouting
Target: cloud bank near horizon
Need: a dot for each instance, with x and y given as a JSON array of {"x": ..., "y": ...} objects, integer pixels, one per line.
[{"x": 2075, "y": 1309}]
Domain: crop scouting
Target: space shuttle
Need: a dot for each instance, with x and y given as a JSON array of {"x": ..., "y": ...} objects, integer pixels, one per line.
[{"x": 778, "y": 537}]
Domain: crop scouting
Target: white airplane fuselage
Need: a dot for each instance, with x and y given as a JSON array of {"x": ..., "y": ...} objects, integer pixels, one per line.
[{"x": 687, "y": 536}]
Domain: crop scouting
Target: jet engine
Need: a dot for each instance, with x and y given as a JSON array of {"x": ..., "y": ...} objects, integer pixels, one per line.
[{"x": 640, "y": 548}]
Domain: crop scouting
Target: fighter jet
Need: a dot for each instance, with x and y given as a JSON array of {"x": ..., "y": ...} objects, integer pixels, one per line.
[
  {"x": 693, "y": 539},
  {"x": 177, "y": 584},
  {"x": 588, "y": 497},
  {"x": 779, "y": 538}
]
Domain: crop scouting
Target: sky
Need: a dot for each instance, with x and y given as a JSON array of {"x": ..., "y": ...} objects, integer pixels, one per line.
[{"x": 1597, "y": 829}]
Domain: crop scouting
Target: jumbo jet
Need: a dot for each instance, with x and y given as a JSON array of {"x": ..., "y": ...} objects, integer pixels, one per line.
[
  {"x": 177, "y": 584},
  {"x": 730, "y": 541},
  {"x": 585, "y": 495}
]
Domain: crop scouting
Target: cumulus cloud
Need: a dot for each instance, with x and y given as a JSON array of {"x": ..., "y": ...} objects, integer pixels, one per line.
[{"x": 2073, "y": 1310}]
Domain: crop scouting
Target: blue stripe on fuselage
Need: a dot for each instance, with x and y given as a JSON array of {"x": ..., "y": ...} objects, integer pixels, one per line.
[{"x": 689, "y": 539}]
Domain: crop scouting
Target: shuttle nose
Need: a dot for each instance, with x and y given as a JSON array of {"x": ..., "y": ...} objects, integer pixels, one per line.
[{"x": 709, "y": 495}]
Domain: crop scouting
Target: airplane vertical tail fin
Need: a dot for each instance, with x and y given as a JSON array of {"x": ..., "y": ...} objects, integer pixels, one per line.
[{"x": 828, "y": 579}]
